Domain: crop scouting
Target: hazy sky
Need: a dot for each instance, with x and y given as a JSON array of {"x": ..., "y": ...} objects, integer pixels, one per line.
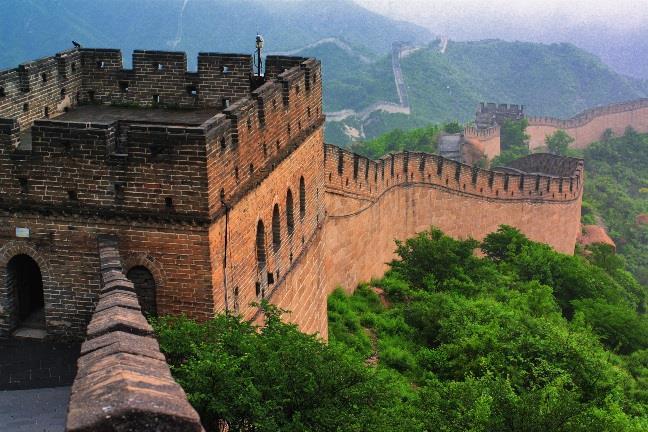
[{"x": 437, "y": 14}]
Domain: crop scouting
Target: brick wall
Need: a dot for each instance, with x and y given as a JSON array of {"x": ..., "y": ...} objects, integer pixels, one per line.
[
  {"x": 366, "y": 215},
  {"x": 488, "y": 139},
  {"x": 590, "y": 125},
  {"x": 41, "y": 88},
  {"x": 289, "y": 275},
  {"x": 123, "y": 381},
  {"x": 64, "y": 246},
  {"x": 367, "y": 211},
  {"x": 249, "y": 205}
]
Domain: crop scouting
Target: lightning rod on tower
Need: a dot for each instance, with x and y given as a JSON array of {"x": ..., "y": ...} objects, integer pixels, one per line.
[{"x": 259, "y": 47}]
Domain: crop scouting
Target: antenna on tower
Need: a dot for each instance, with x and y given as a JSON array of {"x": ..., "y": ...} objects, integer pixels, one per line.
[{"x": 259, "y": 47}]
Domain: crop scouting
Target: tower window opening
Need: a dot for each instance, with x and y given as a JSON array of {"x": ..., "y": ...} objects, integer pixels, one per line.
[
  {"x": 24, "y": 185},
  {"x": 276, "y": 228},
  {"x": 290, "y": 216},
  {"x": 119, "y": 191},
  {"x": 260, "y": 244}
]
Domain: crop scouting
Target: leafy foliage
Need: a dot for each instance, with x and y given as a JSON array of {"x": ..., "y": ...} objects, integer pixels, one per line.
[
  {"x": 522, "y": 339},
  {"x": 274, "y": 378},
  {"x": 514, "y": 142},
  {"x": 422, "y": 139},
  {"x": 558, "y": 142},
  {"x": 617, "y": 178}
]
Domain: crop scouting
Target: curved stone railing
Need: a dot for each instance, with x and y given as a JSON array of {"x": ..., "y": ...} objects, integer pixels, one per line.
[
  {"x": 587, "y": 115},
  {"x": 123, "y": 382},
  {"x": 362, "y": 178}
]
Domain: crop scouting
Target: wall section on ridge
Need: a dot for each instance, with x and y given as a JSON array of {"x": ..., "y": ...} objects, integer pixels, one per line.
[
  {"x": 366, "y": 213},
  {"x": 289, "y": 271},
  {"x": 589, "y": 126}
]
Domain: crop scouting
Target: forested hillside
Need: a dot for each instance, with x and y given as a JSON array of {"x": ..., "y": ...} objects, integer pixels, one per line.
[
  {"x": 35, "y": 28},
  {"x": 523, "y": 338},
  {"x": 616, "y": 195},
  {"x": 558, "y": 80}
]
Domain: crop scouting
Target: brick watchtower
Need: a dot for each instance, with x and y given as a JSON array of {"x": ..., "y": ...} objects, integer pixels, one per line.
[{"x": 210, "y": 180}]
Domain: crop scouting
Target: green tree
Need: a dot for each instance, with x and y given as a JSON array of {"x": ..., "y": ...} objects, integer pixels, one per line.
[
  {"x": 274, "y": 378},
  {"x": 558, "y": 142},
  {"x": 484, "y": 341},
  {"x": 453, "y": 127},
  {"x": 514, "y": 142}
]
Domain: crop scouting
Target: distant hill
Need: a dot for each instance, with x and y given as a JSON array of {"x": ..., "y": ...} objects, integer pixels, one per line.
[
  {"x": 353, "y": 43},
  {"x": 34, "y": 28},
  {"x": 558, "y": 80}
]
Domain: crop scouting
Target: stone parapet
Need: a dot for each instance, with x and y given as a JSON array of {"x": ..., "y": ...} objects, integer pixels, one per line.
[{"x": 123, "y": 382}]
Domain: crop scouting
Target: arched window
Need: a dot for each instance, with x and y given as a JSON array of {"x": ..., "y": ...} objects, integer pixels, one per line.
[
  {"x": 260, "y": 244},
  {"x": 302, "y": 198},
  {"x": 145, "y": 288},
  {"x": 276, "y": 228},
  {"x": 290, "y": 216},
  {"x": 25, "y": 285}
]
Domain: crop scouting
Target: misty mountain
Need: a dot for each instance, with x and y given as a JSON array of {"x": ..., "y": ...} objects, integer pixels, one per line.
[
  {"x": 558, "y": 80},
  {"x": 35, "y": 28}
]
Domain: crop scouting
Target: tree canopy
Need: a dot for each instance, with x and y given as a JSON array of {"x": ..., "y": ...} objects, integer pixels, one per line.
[
  {"x": 558, "y": 142},
  {"x": 521, "y": 338}
]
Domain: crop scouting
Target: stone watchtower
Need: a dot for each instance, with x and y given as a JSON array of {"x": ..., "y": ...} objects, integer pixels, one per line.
[
  {"x": 491, "y": 114},
  {"x": 210, "y": 181}
]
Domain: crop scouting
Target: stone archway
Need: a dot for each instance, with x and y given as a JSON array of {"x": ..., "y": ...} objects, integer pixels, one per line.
[
  {"x": 149, "y": 279},
  {"x": 25, "y": 284},
  {"x": 23, "y": 266},
  {"x": 145, "y": 288}
]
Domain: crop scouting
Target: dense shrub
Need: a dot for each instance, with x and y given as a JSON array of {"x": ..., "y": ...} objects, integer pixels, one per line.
[{"x": 521, "y": 339}]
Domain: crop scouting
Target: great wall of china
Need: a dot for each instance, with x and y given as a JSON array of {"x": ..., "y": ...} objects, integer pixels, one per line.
[
  {"x": 209, "y": 191},
  {"x": 586, "y": 127},
  {"x": 589, "y": 126}
]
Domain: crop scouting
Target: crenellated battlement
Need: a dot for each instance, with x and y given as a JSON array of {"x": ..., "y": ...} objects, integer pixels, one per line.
[
  {"x": 186, "y": 143},
  {"x": 536, "y": 178},
  {"x": 588, "y": 115},
  {"x": 490, "y": 114},
  {"x": 589, "y": 126},
  {"x": 474, "y": 132}
]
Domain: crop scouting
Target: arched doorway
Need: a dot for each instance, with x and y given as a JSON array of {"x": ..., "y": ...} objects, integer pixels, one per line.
[
  {"x": 25, "y": 284},
  {"x": 145, "y": 288}
]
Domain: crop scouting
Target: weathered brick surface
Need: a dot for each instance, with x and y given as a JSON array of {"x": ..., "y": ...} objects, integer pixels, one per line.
[
  {"x": 295, "y": 265},
  {"x": 159, "y": 187},
  {"x": 367, "y": 212},
  {"x": 488, "y": 139},
  {"x": 590, "y": 125},
  {"x": 64, "y": 246},
  {"x": 123, "y": 382}
]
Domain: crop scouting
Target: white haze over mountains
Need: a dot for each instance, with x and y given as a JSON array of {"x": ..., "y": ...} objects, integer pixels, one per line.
[
  {"x": 444, "y": 13},
  {"x": 615, "y": 30}
]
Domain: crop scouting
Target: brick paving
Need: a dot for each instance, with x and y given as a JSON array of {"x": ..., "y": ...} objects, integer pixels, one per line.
[{"x": 29, "y": 364}]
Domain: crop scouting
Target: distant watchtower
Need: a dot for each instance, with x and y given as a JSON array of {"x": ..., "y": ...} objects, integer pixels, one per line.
[{"x": 491, "y": 114}]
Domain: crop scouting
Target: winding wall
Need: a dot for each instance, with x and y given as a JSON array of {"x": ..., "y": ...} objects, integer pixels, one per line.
[
  {"x": 588, "y": 126},
  {"x": 372, "y": 203}
]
